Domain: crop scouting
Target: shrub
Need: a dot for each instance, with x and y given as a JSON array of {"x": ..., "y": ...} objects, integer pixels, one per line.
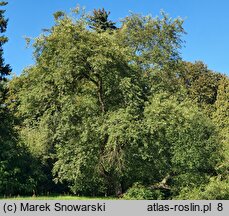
[
  {"x": 140, "y": 192},
  {"x": 216, "y": 189}
]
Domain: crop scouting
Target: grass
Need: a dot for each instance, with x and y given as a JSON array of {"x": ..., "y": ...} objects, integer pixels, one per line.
[{"x": 60, "y": 197}]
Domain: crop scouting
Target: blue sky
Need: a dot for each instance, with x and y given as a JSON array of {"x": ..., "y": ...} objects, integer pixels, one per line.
[{"x": 206, "y": 24}]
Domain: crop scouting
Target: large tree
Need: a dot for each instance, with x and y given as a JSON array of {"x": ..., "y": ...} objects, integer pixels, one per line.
[{"x": 91, "y": 111}]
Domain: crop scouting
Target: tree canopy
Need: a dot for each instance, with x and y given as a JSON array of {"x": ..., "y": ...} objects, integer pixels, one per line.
[{"x": 105, "y": 108}]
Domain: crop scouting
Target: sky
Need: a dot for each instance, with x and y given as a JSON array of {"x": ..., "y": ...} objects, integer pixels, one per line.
[{"x": 206, "y": 24}]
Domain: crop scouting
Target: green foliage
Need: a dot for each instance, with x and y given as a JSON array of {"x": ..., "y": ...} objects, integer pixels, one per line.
[
  {"x": 216, "y": 189},
  {"x": 201, "y": 85},
  {"x": 140, "y": 192},
  {"x": 78, "y": 156},
  {"x": 180, "y": 140},
  {"x": 99, "y": 21},
  {"x": 18, "y": 171},
  {"x": 101, "y": 111},
  {"x": 57, "y": 15},
  {"x": 4, "y": 68},
  {"x": 154, "y": 41},
  {"x": 78, "y": 77},
  {"x": 221, "y": 115},
  {"x": 221, "y": 119}
]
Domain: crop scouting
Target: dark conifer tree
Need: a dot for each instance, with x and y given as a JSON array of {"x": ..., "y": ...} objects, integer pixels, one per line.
[
  {"x": 4, "y": 68},
  {"x": 15, "y": 164},
  {"x": 99, "y": 21}
]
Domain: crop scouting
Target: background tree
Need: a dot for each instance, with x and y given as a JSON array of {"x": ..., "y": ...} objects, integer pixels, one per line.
[
  {"x": 4, "y": 68},
  {"x": 6, "y": 136},
  {"x": 221, "y": 119},
  {"x": 201, "y": 85},
  {"x": 99, "y": 21},
  {"x": 17, "y": 173}
]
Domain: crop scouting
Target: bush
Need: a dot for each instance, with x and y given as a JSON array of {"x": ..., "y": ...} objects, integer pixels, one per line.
[
  {"x": 140, "y": 192},
  {"x": 216, "y": 189}
]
